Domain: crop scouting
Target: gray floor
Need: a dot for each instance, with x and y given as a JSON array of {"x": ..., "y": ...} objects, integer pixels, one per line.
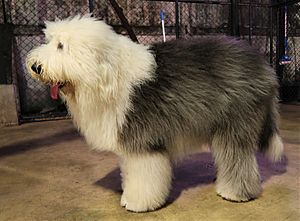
[{"x": 47, "y": 172}]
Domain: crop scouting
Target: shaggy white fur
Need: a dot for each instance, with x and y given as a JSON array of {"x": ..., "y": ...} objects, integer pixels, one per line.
[
  {"x": 99, "y": 64},
  {"x": 275, "y": 152},
  {"x": 146, "y": 181},
  {"x": 151, "y": 113}
]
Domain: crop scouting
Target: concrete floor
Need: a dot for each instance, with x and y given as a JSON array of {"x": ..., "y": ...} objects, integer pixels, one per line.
[{"x": 47, "y": 172}]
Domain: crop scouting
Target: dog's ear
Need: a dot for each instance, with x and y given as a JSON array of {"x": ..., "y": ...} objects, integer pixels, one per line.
[
  {"x": 48, "y": 23},
  {"x": 46, "y": 30}
]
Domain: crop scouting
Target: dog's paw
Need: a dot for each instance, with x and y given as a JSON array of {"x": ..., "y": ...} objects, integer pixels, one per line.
[
  {"x": 234, "y": 196},
  {"x": 136, "y": 205},
  {"x": 123, "y": 201}
]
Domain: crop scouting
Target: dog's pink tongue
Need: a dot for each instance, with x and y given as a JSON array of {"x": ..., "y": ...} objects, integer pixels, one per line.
[{"x": 54, "y": 91}]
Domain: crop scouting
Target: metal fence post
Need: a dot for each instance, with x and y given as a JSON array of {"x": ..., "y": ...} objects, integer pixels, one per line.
[
  {"x": 123, "y": 19},
  {"x": 271, "y": 26},
  {"x": 4, "y": 11},
  {"x": 234, "y": 12},
  {"x": 280, "y": 41},
  {"x": 6, "y": 37},
  {"x": 91, "y": 6},
  {"x": 177, "y": 19},
  {"x": 250, "y": 22}
]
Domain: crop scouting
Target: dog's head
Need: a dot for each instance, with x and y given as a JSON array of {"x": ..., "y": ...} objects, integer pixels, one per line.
[{"x": 78, "y": 51}]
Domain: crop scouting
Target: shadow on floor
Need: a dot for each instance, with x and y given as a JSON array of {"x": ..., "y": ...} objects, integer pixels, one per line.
[
  {"x": 268, "y": 169},
  {"x": 195, "y": 171},
  {"x": 22, "y": 146}
]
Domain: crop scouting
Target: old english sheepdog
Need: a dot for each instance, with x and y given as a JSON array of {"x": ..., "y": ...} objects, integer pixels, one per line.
[{"x": 153, "y": 105}]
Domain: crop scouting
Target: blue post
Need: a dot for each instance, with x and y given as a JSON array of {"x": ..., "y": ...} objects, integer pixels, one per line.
[{"x": 162, "y": 17}]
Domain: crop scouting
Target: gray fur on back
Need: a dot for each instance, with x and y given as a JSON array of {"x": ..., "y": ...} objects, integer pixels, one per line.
[{"x": 203, "y": 88}]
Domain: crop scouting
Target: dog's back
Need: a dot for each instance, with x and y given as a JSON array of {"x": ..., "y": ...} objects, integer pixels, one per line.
[{"x": 202, "y": 87}]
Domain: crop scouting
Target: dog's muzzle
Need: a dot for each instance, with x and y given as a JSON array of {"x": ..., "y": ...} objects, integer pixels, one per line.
[{"x": 36, "y": 68}]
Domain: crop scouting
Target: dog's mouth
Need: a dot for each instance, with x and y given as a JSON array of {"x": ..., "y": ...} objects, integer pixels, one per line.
[
  {"x": 55, "y": 85},
  {"x": 37, "y": 71},
  {"x": 54, "y": 88}
]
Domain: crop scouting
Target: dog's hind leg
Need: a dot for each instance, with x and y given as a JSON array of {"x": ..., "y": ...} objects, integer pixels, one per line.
[
  {"x": 146, "y": 181},
  {"x": 238, "y": 177}
]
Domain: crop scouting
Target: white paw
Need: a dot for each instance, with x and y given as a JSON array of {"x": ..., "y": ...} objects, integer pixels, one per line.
[
  {"x": 232, "y": 195},
  {"x": 123, "y": 201},
  {"x": 136, "y": 205},
  {"x": 146, "y": 182}
]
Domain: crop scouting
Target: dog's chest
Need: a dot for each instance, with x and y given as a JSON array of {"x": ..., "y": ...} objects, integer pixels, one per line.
[{"x": 98, "y": 124}]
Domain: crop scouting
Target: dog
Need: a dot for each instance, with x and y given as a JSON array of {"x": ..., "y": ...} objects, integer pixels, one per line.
[{"x": 152, "y": 105}]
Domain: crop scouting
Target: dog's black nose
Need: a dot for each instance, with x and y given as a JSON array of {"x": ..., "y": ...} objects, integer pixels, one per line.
[{"x": 36, "y": 68}]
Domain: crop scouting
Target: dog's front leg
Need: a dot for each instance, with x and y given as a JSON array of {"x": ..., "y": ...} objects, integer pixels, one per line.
[{"x": 146, "y": 181}]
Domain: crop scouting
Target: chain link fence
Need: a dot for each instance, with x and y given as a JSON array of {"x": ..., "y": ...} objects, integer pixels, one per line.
[
  {"x": 195, "y": 19},
  {"x": 291, "y": 72},
  {"x": 27, "y": 18},
  {"x": 257, "y": 23}
]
